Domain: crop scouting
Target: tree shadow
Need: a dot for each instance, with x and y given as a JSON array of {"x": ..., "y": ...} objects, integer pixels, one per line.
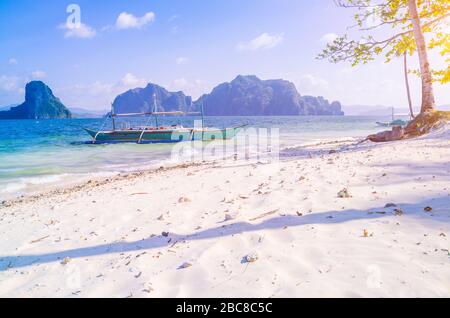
[
  {"x": 406, "y": 171},
  {"x": 440, "y": 213}
]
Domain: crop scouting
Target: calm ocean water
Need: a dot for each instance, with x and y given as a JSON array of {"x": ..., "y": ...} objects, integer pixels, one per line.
[{"x": 36, "y": 153}]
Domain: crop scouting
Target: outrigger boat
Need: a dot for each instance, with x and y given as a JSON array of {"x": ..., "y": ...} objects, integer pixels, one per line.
[
  {"x": 160, "y": 134},
  {"x": 394, "y": 122}
]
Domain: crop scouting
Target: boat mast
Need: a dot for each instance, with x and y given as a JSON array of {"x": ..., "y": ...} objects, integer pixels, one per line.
[
  {"x": 112, "y": 116},
  {"x": 203, "y": 114},
  {"x": 155, "y": 108},
  {"x": 203, "y": 119}
]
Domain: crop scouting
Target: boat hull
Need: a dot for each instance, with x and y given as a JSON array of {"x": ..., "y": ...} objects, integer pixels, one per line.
[{"x": 161, "y": 136}]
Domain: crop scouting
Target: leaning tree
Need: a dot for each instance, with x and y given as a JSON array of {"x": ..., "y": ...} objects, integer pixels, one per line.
[{"x": 410, "y": 25}]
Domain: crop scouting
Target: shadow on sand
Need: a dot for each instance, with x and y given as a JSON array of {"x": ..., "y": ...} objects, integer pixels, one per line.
[{"x": 440, "y": 213}]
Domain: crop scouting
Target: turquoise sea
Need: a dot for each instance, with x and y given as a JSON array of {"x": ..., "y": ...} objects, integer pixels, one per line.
[{"x": 37, "y": 153}]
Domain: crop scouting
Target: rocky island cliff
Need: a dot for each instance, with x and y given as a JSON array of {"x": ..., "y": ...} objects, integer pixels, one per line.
[{"x": 40, "y": 103}]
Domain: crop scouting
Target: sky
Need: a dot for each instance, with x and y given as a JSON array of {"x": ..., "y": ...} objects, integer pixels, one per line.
[{"x": 88, "y": 52}]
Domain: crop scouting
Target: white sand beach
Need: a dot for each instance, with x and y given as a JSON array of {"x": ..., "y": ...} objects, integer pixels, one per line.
[{"x": 187, "y": 231}]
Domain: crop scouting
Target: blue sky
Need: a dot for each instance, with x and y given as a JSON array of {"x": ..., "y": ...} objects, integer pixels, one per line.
[{"x": 189, "y": 45}]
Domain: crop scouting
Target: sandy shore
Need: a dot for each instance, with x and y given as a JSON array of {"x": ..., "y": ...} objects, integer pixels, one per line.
[{"x": 191, "y": 230}]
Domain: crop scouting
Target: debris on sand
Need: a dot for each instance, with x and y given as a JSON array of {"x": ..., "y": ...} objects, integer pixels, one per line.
[
  {"x": 398, "y": 212},
  {"x": 251, "y": 258},
  {"x": 185, "y": 265},
  {"x": 344, "y": 193},
  {"x": 39, "y": 239},
  {"x": 66, "y": 261},
  {"x": 148, "y": 288},
  {"x": 165, "y": 234},
  {"x": 228, "y": 217},
  {"x": 184, "y": 200},
  {"x": 160, "y": 218},
  {"x": 264, "y": 215},
  {"x": 299, "y": 214}
]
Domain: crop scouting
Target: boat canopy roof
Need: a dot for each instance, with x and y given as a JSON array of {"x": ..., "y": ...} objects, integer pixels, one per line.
[{"x": 179, "y": 113}]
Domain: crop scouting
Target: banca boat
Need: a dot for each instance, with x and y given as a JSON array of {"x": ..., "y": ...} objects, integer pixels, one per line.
[{"x": 160, "y": 134}]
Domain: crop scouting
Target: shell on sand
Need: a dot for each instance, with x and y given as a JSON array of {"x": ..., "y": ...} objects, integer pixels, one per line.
[
  {"x": 251, "y": 258},
  {"x": 344, "y": 193}
]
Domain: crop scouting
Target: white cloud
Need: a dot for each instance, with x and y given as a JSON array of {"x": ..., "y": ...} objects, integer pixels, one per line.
[
  {"x": 38, "y": 74},
  {"x": 174, "y": 28},
  {"x": 264, "y": 41},
  {"x": 328, "y": 38},
  {"x": 182, "y": 60},
  {"x": 79, "y": 30},
  {"x": 312, "y": 85},
  {"x": 99, "y": 95},
  {"x": 98, "y": 88},
  {"x": 128, "y": 21},
  {"x": 193, "y": 88},
  {"x": 10, "y": 83},
  {"x": 12, "y": 61},
  {"x": 180, "y": 83},
  {"x": 107, "y": 28},
  {"x": 131, "y": 80}
]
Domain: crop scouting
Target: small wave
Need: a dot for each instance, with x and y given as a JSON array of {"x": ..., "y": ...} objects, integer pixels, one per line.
[
  {"x": 12, "y": 187},
  {"x": 24, "y": 183}
]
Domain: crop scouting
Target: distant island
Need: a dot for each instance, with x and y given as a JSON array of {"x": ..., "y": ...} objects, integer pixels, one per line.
[
  {"x": 79, "y": 113},
  {"x": 244, "y": 96},
  {"x": 251, "y": 96},
  {"x": 141, "y": 100},
  {"x": 40, "y": 103}
]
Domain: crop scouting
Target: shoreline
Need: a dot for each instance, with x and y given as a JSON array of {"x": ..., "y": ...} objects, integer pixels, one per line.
[
  {"x": 93, "y": 183},
  {"x": 27, "y": 167},
  {"x": 80, "y": 185},
  {"x": 187, "y": 230}
]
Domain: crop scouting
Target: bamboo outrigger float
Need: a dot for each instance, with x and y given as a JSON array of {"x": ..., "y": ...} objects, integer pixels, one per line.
[{"x": 160, "y": 134}]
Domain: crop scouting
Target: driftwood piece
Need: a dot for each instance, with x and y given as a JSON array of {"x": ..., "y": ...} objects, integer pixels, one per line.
[
  {"x": 264, "y": 215},
  {"x": 40, "y": 239},
  {"x": 396, "y": 133}
]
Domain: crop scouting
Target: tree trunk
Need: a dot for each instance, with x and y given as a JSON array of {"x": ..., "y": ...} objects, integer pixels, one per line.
[
  {"x": 408, "y": 92},
  {"x": 428, "y": 102}
]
